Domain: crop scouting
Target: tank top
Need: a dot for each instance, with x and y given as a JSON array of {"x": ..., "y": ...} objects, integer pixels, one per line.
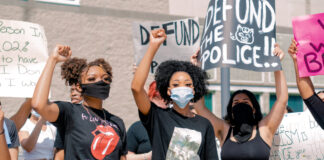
[{"x": 255, "y": 149}]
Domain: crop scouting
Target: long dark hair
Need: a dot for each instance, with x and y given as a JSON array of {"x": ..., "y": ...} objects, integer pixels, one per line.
[{"x": 257, "y": 115}]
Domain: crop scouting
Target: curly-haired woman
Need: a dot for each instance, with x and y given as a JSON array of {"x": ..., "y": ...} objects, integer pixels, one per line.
[
  {"x": 174, "y": 132},
  {"x": 91, "y": 132}
]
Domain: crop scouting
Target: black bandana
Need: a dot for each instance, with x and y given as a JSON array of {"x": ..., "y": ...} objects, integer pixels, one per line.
[{"x": 243, "y": 122}]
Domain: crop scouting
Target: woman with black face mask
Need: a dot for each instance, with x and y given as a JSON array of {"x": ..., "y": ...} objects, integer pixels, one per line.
[
  {"x": 90, "y": 131},
  {"x": 244, "y": 134}
]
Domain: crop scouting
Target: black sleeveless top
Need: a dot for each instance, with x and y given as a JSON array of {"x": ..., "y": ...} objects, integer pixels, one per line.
[{"x": 255, "y": 149}]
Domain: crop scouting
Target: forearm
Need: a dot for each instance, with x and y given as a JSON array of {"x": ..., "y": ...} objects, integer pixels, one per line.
[
  {"x": 304, "y": 84},
  {"x": 143, "y": 156},
  {"x": 4, "y": 151},
  {"x": 281, "y": 87},
  {"x": 42, "y": 88},
  {"x": 29, "y": 143},
  {"x": 143, "y": 69},
  {"x": 21, "y": 116}
]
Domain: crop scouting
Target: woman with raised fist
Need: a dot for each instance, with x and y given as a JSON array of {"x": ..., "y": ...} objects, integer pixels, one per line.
[{"x": 91, "y": 132}]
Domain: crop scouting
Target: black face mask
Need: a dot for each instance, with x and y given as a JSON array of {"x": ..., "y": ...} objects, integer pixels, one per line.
[
  {"x": 99, "y": 89},
  {"x": 243, "y": 122}
]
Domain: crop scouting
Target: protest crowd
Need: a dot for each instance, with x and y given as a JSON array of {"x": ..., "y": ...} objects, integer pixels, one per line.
[{"x": 175, "y": 121}]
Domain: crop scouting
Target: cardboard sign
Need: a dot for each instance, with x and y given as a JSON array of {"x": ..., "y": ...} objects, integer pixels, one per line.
[
  {"x": 181, "y": 43},
  {"x": 298, "y": 137},
  {"x": 23, "y": 54},
  {"x": 240, "y": 34},
  {"x": 309, "y": 34}
]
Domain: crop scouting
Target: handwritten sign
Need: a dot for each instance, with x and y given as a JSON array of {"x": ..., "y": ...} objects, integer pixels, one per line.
[
  {"x": 309, "y": 34},
  {"x": 298, "y": 137},
  {"x": 67, "y": 2},
  {"x": 182, "y": 40},
  {"x": 23, "y": 54},
  {"x": 240, "y": 34}
]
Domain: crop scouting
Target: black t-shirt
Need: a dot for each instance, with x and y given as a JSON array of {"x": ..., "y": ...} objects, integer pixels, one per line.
[
  {"x": 86, "y": 136},
  {"x": 59, "y": 140},
  {"x": 316, "y": 107},
  {"x": 137, "y": 139},
  {"x": 13, "y": 133},
  {"x": 173, "y": 135}
]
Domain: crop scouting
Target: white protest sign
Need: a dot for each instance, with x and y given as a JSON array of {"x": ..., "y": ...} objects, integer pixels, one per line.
[
  {"x": 23, "y": 54},
  {"x": 181, "y": 43},
  {"x": 298, "y": 137}
]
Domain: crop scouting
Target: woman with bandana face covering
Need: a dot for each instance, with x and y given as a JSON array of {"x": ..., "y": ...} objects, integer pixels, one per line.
[
  {"x": 244, "y": 134},
  {"x": 174, "y": 132},
  {"x": 91, "y": 132}
]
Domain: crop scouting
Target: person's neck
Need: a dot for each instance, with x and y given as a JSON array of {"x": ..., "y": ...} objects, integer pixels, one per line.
[
  {"x": 185, "y": 111},
  {"x": 93, "y": 102}
]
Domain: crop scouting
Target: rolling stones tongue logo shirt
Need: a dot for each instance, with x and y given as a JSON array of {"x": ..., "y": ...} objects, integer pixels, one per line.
[{"x": 88, "y": 135}]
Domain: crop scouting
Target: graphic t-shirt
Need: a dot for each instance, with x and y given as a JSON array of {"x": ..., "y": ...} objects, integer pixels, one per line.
[
  {"x": 87, "y": 135},
  {"x": 174, "y": 136},
  {"x": 137, "y": 139}
]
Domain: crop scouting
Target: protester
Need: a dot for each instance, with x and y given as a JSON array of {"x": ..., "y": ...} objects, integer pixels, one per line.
[
  {"x": 174, "y": 132},
  {"x": 37, "y": 138},
  {"x": 138, "y": 142},
  {"x": 245, "y": 132},
  {"x": 8, "y": 150},
  {"x": 91, "y": 132},
  {"x": 313, "y": 101},
  {"x": 76, "y": 98}
]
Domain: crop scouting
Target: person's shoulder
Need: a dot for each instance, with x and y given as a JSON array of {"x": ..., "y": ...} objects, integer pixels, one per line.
[
  {"x": 115, "y": 119},
  {"x": 9, "y": 122},
  {"x": 202, "y": 120},
  {"x": 136, "y": 125}
]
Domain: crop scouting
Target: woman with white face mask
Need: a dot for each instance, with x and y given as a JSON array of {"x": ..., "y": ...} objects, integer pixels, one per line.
[{"x": 174, "y": 132}]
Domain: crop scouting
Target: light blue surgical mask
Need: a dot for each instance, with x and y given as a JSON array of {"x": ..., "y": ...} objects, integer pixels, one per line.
[
  {"x": 181, "y": 96},
  {"x": 35, "y": 113}
]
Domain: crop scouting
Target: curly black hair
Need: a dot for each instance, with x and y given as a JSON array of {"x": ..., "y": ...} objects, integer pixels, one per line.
[
  {"x": 257, "y": 115},
  {"x": 72, "y": 69},
  {"x": 165, "y": 71}
]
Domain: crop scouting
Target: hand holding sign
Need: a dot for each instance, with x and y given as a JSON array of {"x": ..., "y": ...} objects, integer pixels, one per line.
[
  {"x": 157, "y": 37},
  {"x": 292, "y": 50},
  {"x": 278, "y": 52},
  {"x": 62, "y": 53}
]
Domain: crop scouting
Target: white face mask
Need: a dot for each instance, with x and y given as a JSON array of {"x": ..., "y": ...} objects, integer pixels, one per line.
[{"x": 181, "y": 96}]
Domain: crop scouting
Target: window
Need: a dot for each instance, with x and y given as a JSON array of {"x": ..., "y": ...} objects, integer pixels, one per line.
[
  {"x": 295, "y": 102},
  {"x": 209, "y": 101}
]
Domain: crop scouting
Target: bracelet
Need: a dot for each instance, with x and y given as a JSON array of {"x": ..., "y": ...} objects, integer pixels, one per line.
[{"x": 2, "y": 132}]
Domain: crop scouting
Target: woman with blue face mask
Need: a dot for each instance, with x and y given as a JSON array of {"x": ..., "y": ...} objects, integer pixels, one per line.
[{"x": 174, "y": 132}]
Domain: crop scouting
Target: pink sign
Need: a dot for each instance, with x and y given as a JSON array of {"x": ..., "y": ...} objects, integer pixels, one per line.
[{"x": 309, "y": 34}]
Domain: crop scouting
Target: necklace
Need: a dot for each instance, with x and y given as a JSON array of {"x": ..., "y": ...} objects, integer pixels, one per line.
[{"x": 103, "y": 121}]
